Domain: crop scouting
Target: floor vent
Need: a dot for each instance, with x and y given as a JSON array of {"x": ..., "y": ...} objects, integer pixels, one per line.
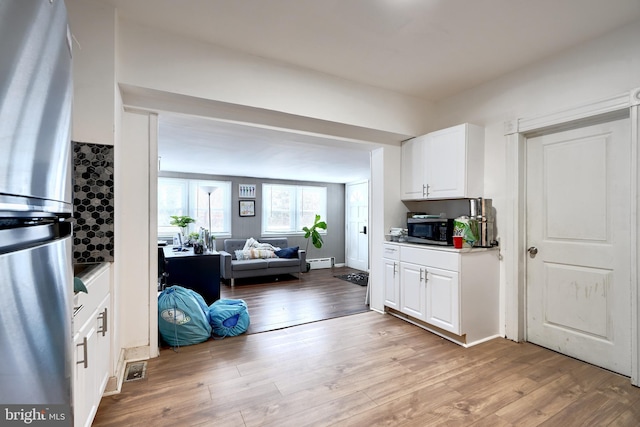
[
  {"x": 320, "y": 263},
  {"x": 135, "y": 371}
]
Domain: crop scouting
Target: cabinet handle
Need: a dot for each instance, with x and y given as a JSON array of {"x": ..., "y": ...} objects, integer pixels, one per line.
[
  {"x": 394, "y": 269},
  {"x": 427, "y": 193},
  {"x": 425, "y": 190},
  {"x": 103, "y": 328},
  {"x": 421, "y": 278},
  {"x": 84, "y": 362}
]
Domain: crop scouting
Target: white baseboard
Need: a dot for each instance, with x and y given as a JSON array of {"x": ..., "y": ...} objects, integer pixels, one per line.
[{"x": 317, "y": 263}]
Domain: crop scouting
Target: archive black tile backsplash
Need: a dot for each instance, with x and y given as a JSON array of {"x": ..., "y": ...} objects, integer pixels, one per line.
[{"x": 93, "y": 206}]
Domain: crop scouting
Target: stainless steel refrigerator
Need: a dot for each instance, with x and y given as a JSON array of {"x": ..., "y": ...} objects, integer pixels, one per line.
[{"x": 36, "y": 271}]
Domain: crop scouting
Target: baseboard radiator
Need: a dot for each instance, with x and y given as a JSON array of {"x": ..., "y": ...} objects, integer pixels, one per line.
[{"x": 321, "y": 263}]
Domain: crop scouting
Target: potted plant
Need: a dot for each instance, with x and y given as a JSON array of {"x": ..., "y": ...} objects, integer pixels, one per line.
[
  {"x": 182, "y": 221},
  {"x": 312, "y": 233},
  {"x": 194, "y": 236}
]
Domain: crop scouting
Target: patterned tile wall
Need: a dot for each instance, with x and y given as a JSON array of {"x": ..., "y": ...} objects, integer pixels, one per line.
[{"x": 93, "y": 202}]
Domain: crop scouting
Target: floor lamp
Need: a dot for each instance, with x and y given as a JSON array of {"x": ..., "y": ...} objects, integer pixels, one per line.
[{"x": 209, "y": 189}]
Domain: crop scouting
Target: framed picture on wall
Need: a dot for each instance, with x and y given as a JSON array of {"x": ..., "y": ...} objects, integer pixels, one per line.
[
  {"x": 247, "y": 190},
  {"x": 247, "y": 208}
]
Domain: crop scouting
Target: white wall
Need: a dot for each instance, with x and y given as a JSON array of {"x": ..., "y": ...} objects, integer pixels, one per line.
[
  {"x": 386, "y": 210},
  {"x": 132, "y": 254},
  {"x": 173, "y": 64}
]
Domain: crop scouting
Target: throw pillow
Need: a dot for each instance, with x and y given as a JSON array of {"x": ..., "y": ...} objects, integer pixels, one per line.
[
  {"x": 254, "y": 254},
  {"x": 288, "y": 252},
  {"x": 249, "y": 243}
]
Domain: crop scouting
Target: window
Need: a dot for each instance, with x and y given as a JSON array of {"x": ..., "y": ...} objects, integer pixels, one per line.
[
  {"x": 177, "y": 196},
  {"x": 288, "y": 208}
]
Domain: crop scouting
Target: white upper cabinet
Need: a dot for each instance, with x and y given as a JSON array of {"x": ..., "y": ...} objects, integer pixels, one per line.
[
  {"x": 445, "y": 164},
  {"x": 412, "y": 178}
]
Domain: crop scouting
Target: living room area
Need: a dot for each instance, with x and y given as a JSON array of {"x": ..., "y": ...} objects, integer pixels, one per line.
[{"x": 249, "y": 195}]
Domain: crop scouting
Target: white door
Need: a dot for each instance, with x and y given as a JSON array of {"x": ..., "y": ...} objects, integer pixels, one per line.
[
  {"x": 357, "y": 226},
  {"x": 578, "y": 222}
]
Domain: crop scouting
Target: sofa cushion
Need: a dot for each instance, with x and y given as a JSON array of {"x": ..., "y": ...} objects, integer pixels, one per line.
[
  {"x": 249, "y": 264},
  {"x": 282, "y": 262},
  {"x": 288, "y": 252}
]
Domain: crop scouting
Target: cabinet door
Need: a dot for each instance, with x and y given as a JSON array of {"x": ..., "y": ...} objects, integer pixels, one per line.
[
  {"x": 412, "y": 168},
  {"x": 412, "y": 291},
  {"x": 445, "y": 163},
  {"x": 443, "y": 302},
  {"x": 85, "y": 380},
  {"x": 391, "y": 284}
]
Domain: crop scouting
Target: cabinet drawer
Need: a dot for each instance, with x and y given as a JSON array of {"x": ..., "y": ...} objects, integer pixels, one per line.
[
  {"x": 430, "y": 257},
  {"x": 98, "y": 284},
  {"x": 391, "y": 252}
]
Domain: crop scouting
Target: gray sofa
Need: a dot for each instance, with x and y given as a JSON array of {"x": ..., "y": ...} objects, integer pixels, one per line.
[{"x": 232, "y": 268}]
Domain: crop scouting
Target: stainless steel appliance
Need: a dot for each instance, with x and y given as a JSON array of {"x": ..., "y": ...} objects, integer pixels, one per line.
[
  {"x": 482, "y": 211},
  {"x": 428, "y": 230},
  {"x": 36, "y": 271}
]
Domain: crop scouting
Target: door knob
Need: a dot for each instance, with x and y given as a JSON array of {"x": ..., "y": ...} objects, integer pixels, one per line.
[{"x": 533, "y": 251}]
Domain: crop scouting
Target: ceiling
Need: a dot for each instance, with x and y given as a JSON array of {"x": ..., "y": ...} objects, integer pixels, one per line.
[{"x": 429, "y": 49}]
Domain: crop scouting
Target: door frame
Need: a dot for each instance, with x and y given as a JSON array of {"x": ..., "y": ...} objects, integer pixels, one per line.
[{"x": 514, "y": 241}]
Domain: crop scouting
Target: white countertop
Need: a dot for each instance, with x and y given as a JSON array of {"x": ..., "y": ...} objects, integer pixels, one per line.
[{"x": 442, "y": 248}]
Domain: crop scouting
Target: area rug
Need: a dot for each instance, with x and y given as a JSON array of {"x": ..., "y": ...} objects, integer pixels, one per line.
[{"x": 357, "y": 278}]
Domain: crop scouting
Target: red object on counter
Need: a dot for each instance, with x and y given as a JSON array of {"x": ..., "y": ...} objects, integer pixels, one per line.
[{"x": 457, "y": 242}]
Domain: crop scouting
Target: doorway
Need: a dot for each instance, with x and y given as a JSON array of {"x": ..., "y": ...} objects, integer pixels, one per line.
[
  {"x": 515, "y": 240},
  {"x": 578, "y": 211}
]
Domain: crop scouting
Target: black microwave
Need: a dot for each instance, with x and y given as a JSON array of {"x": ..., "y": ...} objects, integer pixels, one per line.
[{"x": 432, "y": 231}]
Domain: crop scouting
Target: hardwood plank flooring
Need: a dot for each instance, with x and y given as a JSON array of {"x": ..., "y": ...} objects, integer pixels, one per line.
[
  {"x": 368, "y": 369},
  {"x": 284, "y": 301}
]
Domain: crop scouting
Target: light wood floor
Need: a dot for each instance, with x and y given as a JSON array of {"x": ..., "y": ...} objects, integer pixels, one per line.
[{"x": 368, "y": 369}]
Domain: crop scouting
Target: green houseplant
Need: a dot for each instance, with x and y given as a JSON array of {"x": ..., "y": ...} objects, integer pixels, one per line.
[
  {"x": 312, "y": 234},
  {"x": 181, "y": 221}
]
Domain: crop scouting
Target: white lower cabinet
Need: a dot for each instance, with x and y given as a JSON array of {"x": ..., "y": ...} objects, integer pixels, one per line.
[
  {"x": 391, "y": 263},
  {"x": 92, "y": 347},
  {"x": 450, "y": 292},
  {"x": 412, "y": 290},
  {"x": 442, "y": 305},
  {"x": 391, "y": 283}
]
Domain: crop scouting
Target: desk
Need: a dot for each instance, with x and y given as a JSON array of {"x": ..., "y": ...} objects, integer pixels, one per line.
[{"x": 200, "y": 272}]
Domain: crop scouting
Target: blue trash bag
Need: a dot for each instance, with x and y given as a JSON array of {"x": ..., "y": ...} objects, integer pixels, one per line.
[
  {"x": 183, "y": 317},
  {"x": 229, "y": 317}
]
